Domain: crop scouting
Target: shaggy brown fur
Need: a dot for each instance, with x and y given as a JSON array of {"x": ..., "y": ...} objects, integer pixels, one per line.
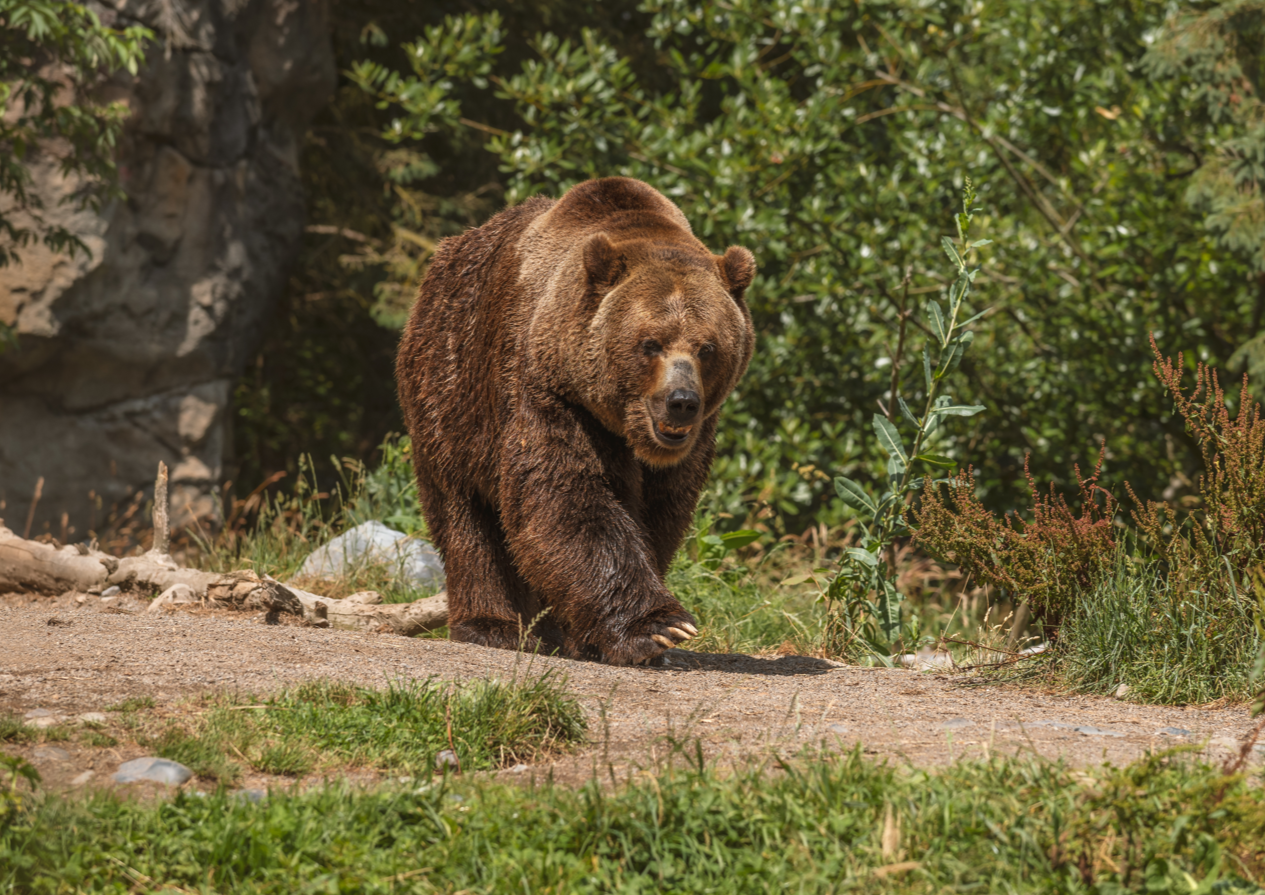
[{"x": 561, "y": 376}]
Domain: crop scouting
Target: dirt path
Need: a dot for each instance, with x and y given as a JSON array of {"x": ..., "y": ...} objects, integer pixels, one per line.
[{"x": 736, "y": 705}]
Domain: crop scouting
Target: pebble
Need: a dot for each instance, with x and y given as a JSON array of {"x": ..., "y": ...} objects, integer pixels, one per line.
[
  {"x": 1173, "y": 732},
  {"x": 957, "y": 723},
  {"x": 1058, "y": 725},
  {"x": 82, "y": 779},
  {"x": 39, "y": 713},
  {"x": 110, "y": 592},
  {"x": 837, "y": 728},
  {"x": 1097, "y": 732},
  {"x": 519, "y": 768},
  {"x": 51, "y": 753},
  {"x": 1122, "y": 691},
  {"x": 158, "y": 770},
  {"x": 93, "y": 718},
  {"x": 248, "y": 795},
  {"x": 447, "y": 759}
]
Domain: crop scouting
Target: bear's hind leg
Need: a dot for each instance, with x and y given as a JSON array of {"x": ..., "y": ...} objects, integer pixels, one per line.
[{"x": 488, "y": 603}]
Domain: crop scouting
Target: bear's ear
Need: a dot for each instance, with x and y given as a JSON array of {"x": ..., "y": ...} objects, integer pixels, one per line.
[
  {"x": 603, "y": 262},
  {"x": 737, "y": 269}
]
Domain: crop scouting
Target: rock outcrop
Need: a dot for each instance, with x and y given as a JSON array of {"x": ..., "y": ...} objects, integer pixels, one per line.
[{"x": 128, "y": 357}]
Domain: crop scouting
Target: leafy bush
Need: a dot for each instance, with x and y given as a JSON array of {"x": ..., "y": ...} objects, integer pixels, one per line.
[{"x": 821, "y": 135}]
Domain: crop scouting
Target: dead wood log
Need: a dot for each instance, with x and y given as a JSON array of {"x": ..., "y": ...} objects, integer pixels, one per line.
[{"x": 33, "y": 567}]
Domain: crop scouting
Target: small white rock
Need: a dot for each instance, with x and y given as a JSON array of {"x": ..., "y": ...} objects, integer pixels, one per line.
[
  {"x": 177, "y": 593},
  {"x": 1122, "y": 691},
  {"x": 112, "y": 591},
  {"x": 92, "y": 718},
  {"x": 82, "y": 779},
  {"x": 446, "y": 759}
]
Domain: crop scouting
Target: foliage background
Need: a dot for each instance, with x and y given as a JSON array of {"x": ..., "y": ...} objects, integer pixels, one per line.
[{"x": 1119, "y": 149}]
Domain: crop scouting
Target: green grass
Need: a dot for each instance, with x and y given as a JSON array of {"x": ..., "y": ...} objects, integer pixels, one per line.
[
  {"x": 98, "y": 739},
  {"x": 1139, "y": 628},
  {"x": 328, "y": 725},
  {"x": 15, "y": 730},
  {"x": 132, "y": 704},
  {"x": 814, "y": 825}
]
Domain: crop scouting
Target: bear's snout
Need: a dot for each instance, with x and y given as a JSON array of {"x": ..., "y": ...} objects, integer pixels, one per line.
[{"x": 683, "y": 407}]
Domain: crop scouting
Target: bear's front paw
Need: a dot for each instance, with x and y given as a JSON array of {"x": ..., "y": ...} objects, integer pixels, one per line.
[{"x": 648, "y": 639}]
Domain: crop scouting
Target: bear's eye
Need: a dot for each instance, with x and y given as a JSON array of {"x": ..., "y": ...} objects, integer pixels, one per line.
[
  {"x": 706, "y": 350},
  {"x": 650, "y": 348}
]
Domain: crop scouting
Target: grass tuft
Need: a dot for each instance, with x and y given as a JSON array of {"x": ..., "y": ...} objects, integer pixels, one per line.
[
  {"x": 329, "y": 725},
  {"x": 1169, "y": 643},
  {"x": 14, "y": 730}
]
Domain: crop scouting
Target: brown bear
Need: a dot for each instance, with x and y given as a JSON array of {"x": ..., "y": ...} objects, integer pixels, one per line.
[{"x": 561, "y": 376}]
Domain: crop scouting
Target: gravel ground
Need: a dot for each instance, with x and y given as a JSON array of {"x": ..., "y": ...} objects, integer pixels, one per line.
[{"x": 68, "y": 658}]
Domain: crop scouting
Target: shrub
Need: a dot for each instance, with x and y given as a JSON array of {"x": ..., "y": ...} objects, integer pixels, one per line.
[{"x": 1050, "y": 561}]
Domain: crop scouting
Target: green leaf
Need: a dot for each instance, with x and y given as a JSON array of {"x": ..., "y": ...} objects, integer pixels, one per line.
[
  {"x": 907, "y": 413},
  {"x": 926, "y": 367},
  {"x": 965, "y": 323},
  {"x": 854, "y": 495},
  {"x": 864, "y": 557},
  {"x": 736, "y": 540},
  {"x": 980, "y": 243},
  {"x": 961, "y": 409},
  {"x": 958, "y": 290},
  {"x": 938, "y": 326},
  {"x": 889, "y": 602},
  {"x": 937, "y": 460},
  {"x": 888, "y": 437},
  {"x": 895, "y": 468},
  {"x": 951, "y": 250}
]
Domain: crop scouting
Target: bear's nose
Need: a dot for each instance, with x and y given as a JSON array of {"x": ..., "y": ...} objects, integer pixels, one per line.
[{"x": 683, "y": 405}]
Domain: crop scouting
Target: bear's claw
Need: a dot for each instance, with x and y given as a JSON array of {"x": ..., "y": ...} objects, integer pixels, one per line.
[
  {"x": 663, "y": 641},
  {"x": 679, "y": 634}
]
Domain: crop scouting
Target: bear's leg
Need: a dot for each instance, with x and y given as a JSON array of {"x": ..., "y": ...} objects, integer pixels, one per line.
[
  {"x": 574, "y": 542},
  {"x": 488, "y": 603}
]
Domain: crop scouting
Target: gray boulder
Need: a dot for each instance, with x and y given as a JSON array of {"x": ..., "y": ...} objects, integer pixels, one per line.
[
  {"x": 128, "y": 357},
  {"x": 412, "y": 559},
  {"x": 153, "y": 770}
]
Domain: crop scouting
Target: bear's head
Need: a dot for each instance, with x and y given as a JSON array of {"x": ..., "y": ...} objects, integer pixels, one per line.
[{"x": 669, "y": 336}]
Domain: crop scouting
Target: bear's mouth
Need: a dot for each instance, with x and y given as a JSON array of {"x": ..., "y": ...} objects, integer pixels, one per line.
[{"x": 673, "y": 436}]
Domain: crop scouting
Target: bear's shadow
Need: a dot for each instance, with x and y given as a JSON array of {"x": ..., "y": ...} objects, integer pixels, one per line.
[{"x": 737, "y": 663}]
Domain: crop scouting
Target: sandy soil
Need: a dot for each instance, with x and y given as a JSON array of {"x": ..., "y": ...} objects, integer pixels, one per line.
[{"x": 68, "y": 658}]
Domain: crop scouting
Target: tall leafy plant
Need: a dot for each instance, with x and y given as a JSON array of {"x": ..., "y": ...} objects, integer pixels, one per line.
[{"x": 863, "y": 599}]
